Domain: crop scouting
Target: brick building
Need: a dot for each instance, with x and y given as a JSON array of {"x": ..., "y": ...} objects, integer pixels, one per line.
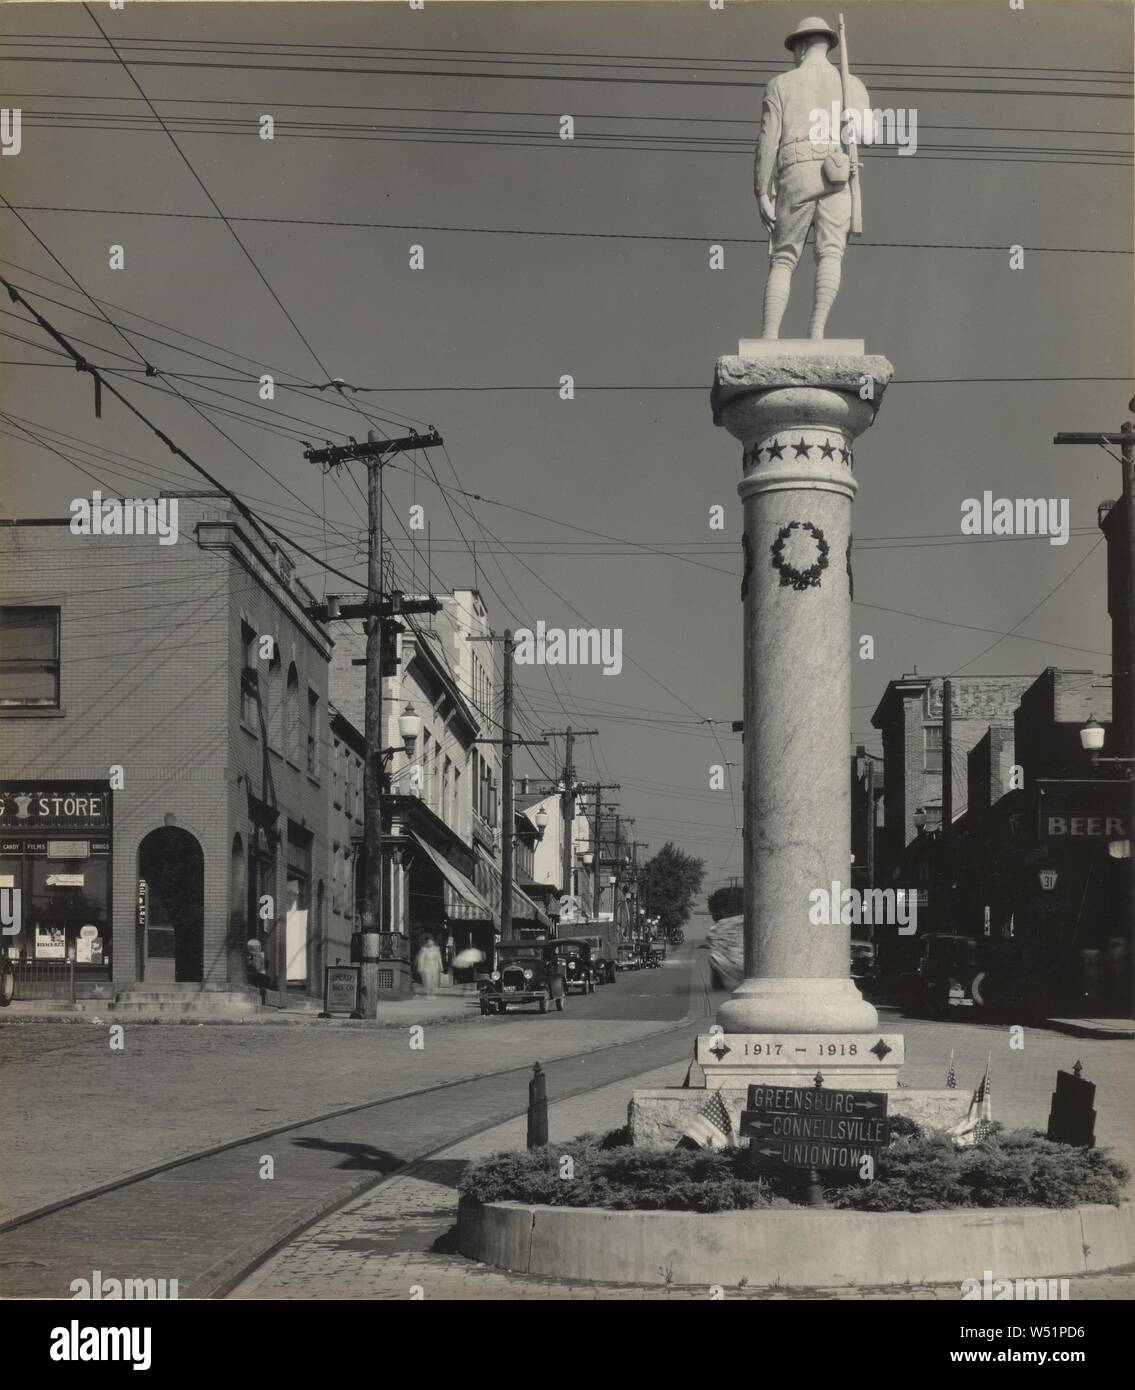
[
  {"x": 163, "y": 745},
  {"x": 928, "y": 726},
  {"x": 1031, "y": 856}
]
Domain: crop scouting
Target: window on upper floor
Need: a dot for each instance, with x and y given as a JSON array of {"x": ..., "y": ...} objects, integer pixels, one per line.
[
  {"x": 292, "y": 716},
  {"x": 932, "y": 746},
  {"x": 249, "y": 679},
  {"x": 29, "y": 658},
  {"x": 337, "y": 773},
  {"x": 314, "y": 732}
]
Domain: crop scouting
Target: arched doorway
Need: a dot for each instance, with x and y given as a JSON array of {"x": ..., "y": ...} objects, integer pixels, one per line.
[{"x": 171, "y": 865}]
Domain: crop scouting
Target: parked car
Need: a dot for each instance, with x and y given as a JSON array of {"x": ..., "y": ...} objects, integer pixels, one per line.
[
  {"x": 862, "y": 960},
  {"x": 579, "y": 967},
  {"x": 602, "y": 938},
  {"x": 528, "y": 972},
  {"x": 726, "y": 941},
  {"x": 629, "y": 957}
]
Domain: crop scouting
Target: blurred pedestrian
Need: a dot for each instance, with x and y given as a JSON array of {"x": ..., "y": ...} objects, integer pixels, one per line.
[{"x": 428, "y": 965}]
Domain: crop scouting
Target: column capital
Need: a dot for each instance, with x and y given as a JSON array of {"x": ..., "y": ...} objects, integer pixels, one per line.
[{"x": 739, "y": 382}]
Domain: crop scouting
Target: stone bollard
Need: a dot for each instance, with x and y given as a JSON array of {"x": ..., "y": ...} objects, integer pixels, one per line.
[{"x": 537, "y": 1109}]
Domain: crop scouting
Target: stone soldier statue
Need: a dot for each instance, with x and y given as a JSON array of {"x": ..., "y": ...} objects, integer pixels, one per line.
[{"x": 801, "y": 182}]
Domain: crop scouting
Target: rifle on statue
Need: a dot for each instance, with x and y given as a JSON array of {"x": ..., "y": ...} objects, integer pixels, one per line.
[{"x": 850, "y": 140}]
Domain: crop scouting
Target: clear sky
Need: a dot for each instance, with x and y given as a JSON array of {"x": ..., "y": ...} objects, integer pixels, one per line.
[{"x": 447, "y": 118}]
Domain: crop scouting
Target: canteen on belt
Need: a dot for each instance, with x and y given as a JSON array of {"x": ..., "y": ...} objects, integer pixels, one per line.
[{"x": 837, "y": 169}]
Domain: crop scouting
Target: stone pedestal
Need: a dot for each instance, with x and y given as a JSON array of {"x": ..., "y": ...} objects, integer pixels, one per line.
[
  {"x": 847, "y": 1061},
  {"x": 797, "y": 409}
]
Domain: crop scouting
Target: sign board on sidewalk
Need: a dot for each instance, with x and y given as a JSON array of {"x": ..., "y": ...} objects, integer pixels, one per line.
[
  {"x": 812, "y": 1127},
  {"x": 341, "y": 989}
]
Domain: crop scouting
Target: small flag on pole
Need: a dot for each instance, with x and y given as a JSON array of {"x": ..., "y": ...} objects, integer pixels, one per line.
[
  {"x": 711, "y": 1128},
  {"x": 951, "y": 1075},
  {"x": 979, "y": 1121}
]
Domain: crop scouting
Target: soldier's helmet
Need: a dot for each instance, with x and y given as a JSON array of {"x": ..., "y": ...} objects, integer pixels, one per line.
[{"x": 812, "y": 25}]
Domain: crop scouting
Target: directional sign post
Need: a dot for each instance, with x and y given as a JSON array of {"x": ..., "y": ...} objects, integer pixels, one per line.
[{"x": 815, "y": 1129}]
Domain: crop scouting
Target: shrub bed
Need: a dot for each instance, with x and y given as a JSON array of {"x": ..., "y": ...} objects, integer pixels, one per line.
[{"x": 914, "y": 1173}]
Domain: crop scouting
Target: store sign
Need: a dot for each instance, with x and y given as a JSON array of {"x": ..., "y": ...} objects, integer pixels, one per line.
[
  {"x": 68, "y": 849},
  {"x": 1097, "y": 810},
  {"x": 571, "y": 909},
  {"x": 50, "y": 807},
  {"x": 143, "y": 901},
  {"x": 341, "y": 989},
  {"x": 1048, "y": 879}
]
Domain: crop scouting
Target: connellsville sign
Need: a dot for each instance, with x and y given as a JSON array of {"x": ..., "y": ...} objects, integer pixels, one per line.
[
  {"x": 809, "y": 1127},
  {"x": 1089, "y": 810}
]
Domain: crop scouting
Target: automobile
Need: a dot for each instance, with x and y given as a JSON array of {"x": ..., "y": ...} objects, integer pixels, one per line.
[
  {"x": 602, "y": 937},
  {"x": 602, "y": 967},
  {"x": 862, "y": 960},
  {"x": 726, "y": 941},
  {"x": 579, "y": 966},
  {"x": 944, "y": 974},
  {"x": 677, "y": 936},
  {"x": 629, "y": 957},
  {"x": 657, "y": 948},
  {"x": 528, "y": 972}
]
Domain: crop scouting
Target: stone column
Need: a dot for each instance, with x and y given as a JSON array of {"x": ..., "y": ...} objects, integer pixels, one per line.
[{"x": 797, "y": 408}]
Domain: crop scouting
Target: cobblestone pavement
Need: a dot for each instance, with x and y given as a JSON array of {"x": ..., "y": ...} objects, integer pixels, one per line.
[{"x": 395, "y": 1243}]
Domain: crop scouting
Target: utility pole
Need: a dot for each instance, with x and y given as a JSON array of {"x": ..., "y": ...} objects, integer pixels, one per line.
[
  {"x": 597, "y": 788},
  {"x": 636, "y": 845},
  {"x": 567, "y": 798},
  {"x": 1123, "y": 643},
  {"x": 378, "y": 614},
  {"x": 508, "y": 813}
]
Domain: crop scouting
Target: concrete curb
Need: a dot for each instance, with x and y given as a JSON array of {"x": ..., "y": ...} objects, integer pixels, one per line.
[{"x": 796, "y": 1248}]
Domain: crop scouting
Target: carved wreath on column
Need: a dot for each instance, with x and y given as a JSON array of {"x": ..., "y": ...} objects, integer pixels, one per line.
[{"x": 800, "y": 579}]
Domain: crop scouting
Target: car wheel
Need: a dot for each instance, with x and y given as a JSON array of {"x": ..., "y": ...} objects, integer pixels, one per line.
[
  {"x": 502, "y": 1007},
  {"x": 7, "y": 984},
  {"x": 543, "y": 1006}
]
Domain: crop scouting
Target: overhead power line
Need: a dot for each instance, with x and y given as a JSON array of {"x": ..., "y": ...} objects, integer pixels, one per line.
[{"x": 704, "y": 239}]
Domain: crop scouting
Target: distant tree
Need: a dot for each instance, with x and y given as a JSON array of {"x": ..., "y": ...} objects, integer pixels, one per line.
[
  {"x": 726, "y": 902},
  {"x": 669, "y": 883}
]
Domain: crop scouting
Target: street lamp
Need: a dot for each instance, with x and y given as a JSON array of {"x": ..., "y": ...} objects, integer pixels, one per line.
[
  {"x": 409, "y": 726},
  {"x": 1091, "y": 737},
  {"x": 541, "y": 821}
]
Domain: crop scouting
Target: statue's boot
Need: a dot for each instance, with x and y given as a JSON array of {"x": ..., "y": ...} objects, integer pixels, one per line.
[{"x": 827, "y": 286}]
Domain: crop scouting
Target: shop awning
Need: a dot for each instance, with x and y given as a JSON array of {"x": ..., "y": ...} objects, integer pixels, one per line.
[
  {"x": 522, "y": 904},
  {"x": 472, "y": 904}
]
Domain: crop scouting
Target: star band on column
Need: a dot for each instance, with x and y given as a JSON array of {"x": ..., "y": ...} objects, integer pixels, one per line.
[
  {"x": 775, "y": 450},
  {"x": 827, "y": 449},
  {"x": 802, "y": 448}
]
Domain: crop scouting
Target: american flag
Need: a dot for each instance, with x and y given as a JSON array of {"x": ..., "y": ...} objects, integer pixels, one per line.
[
  {"x": 951, "y": 1075},
  {"x": 711, "y": 1127},
  {"x": 979, "y": 1121}
]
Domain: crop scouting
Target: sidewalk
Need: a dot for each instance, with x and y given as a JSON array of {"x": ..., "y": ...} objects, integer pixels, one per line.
[
  {"x": 1093, "y": 1027},
  {"x": 397, "y": 1237},
  {"x": 392, "y": 1013}
]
